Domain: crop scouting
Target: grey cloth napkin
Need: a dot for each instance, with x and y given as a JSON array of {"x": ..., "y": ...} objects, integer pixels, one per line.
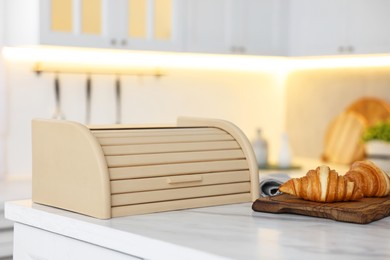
[{"x": 269, "y": 184}]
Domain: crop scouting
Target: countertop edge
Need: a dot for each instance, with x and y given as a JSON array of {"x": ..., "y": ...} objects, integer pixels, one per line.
[{"x": 78, "y": 227}]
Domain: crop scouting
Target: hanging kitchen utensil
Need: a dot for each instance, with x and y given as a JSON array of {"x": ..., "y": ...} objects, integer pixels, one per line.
[
  {"x": 57, "y": 95},
  {"x": 118, "y": 99},
  {"x": 88, "y": 91}
]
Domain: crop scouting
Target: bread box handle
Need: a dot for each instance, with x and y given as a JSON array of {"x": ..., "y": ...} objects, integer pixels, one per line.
[{"x": 182, "y": 179}]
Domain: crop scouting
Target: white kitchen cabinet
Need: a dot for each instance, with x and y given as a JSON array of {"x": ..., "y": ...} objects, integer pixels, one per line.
[
  {"x": 207, "y": 26},
  {"x": 330, "y": 27},
  {"x": 6, "y": 235},
  {"x": 10, "y": 190},
  {"x": 368, "y": 26},
  {"x": 6, "y": 240},
  {"x": 234, "y": 26},
  {"x": 34, "y": 243},
  {"x": 259, "y": 27},
  {"x": 56, "y": 22},
  {"x": 146, "y": 24},
  {"x": 126, "y": 24},
  {"x": 74, "y": 23}
]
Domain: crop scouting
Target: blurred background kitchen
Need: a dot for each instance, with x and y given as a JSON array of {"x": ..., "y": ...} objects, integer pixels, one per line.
[{"x": 284, "y": 66}]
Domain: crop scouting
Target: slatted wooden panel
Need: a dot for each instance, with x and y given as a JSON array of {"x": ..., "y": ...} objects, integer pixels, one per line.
[
  {"x": 181, "y": 193},
  {"x": 163, "y": 139},
  {"x": 168, "y": 147},
  {"x": 155, "y": 132},
  {"x": 128, "y": 210},
  {"x": 169, "y": 158},
  {"x": 159, "y": 183},
  {"x": 156, "y": 152},
  {"x": 121, "y": 173},
  {"x": 169, "y": 167}
]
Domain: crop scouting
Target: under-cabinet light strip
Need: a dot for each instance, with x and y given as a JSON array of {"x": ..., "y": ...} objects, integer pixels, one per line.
[
  {"x": 143, "y": 60},
  {"x": 333, "y": 62}
]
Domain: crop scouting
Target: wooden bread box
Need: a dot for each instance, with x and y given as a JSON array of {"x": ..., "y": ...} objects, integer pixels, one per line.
[{"x": 118, "y": 170}]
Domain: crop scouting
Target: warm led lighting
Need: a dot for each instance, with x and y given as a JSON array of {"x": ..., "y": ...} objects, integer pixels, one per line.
[
  {"x": 281, "y": 66},
  {"x": 333, "y": 62},
  {"x": 139, "y": 59}
]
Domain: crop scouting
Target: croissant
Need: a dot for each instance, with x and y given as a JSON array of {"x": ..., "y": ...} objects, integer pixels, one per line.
[
  {"x": 322, "y": 185},
  {"x": 371, "y": 180}
]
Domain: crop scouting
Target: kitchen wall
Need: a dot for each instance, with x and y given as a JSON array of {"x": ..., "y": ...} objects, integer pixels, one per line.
[
  {"x": 248, "y": 99},
  {"x": 303, "y": 103},
  {"x": 315, "y": 96},
  {"x": 2, "y": 15},
  {"x": 3, "y": 117},
  {"x": 2, "y": 96}
]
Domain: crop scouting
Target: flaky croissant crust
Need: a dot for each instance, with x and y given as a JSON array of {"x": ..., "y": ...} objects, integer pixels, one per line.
[
  {"x": 322, "y": 185},
  {"x": 371, "y": 180}
]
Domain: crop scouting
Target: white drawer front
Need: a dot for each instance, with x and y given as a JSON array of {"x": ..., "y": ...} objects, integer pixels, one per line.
[{"x": 33, "y": 243}]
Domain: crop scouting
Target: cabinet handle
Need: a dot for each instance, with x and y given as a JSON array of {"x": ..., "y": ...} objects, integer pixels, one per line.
[
  {"x": 341, "y": 49},
  {"x": 124, "y": 42},
  {"x": 113, "y": 42},
  {"x": 350, "y": 49},
  {"x": 183, "y": 179}
]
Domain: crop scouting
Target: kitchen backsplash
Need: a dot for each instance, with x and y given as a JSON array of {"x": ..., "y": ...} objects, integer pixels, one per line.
[
  {"x": 302, "y": 104},
  {"x": 248, "y": 99},
  {"x": 315, "y": 97}
]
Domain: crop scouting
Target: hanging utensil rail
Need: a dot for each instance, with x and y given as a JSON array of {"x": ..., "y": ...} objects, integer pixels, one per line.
[{"x": 41, "y": 67}]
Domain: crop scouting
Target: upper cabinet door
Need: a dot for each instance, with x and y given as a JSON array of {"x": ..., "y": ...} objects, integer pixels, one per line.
[
  {"x": 316, "y": 27},
  {"x": 207, "y": 28},
  {"x": 367, "y": 23},
  {"x": 234, "y": 26},
  {"x": 330, "y": 27},
  {"x": 56, "y": 22},
  {"x": 146, "y": 24},
  {"x": 262, "y": 30},
  {"x": 73, "y": 23}
]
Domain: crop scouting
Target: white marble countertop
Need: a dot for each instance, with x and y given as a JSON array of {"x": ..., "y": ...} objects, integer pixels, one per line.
[{"x": 221, "y": 232}]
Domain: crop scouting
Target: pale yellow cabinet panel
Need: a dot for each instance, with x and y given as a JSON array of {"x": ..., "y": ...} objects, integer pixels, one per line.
[
  {"x": 147, "y": 24},
  {"x": 61, "y": 15},
  {"x": 91, "y": 16},
  {"x": 162, "y": 19},
  {"x": 137, "y": 19}
]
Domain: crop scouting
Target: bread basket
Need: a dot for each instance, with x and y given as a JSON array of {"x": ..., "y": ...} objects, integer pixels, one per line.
[{"x": 118, "y": 170}]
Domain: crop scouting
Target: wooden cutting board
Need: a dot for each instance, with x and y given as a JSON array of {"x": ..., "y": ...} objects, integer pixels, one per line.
[
  {"x": 343, "y": 139},
  {"x": 363, "y": 211}
]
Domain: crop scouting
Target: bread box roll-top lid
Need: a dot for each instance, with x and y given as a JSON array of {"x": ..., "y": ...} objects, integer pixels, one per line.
[{"x": 118, "y": 170}]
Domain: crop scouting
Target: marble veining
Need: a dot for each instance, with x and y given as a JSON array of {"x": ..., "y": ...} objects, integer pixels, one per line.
[{"x": 221, "y": 232}]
